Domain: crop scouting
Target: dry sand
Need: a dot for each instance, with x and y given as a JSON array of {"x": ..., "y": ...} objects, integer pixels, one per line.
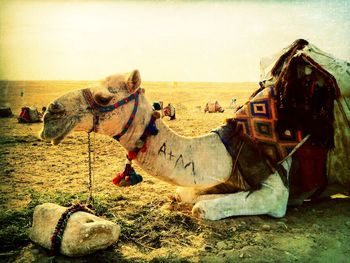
[{"x": 154, "y": 228}]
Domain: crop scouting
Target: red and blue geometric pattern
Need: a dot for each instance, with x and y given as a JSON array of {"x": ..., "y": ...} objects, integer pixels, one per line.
[
  {"x": 258, "y": 118},
  {"x": 260, "y": 109}
]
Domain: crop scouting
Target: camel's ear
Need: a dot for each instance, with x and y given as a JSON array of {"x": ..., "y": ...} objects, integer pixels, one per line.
[{"x": 134, "y": 81}]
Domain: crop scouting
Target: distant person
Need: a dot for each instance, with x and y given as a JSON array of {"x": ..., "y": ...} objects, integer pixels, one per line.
[{"x": 233, "y": 103}]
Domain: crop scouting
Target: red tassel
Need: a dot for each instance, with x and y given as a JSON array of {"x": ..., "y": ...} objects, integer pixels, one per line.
[
  {"x": 132, "y": 155},
  {"x": 118, "y": 178},
  {"x": 127, "y": 177}
]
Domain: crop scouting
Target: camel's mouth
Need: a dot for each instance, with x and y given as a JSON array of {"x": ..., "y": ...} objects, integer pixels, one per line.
[{"x": 56, "y": 130}]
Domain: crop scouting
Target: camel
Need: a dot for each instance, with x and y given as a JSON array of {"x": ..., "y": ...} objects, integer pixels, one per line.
[
  {"x": 213, "y": 106},
  {"x": 229, "y": 172}
]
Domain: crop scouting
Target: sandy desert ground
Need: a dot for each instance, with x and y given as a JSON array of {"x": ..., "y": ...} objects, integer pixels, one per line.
[{"x": 154, "y": 228}]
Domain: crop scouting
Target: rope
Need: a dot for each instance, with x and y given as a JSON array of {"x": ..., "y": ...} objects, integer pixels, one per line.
[
  {"x": 295, "y": 148},
  {"x": 56, "y": 238},
  {"x": 238, "y": 154}
]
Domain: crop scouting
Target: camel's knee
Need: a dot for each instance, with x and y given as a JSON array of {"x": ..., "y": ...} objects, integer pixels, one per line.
[
  {"x": 278, "y": 200},
  {"x": 279, "y": 208},
  {"x": 279, "y": 191}
]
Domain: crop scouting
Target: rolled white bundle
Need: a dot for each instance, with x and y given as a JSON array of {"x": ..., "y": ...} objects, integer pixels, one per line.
[{"x": 84, "y": 233}]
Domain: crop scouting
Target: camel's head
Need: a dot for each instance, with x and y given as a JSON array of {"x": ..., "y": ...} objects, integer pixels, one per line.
[{"x": 72, "y": 111}]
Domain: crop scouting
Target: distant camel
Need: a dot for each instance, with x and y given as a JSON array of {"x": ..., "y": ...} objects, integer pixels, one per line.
[
  {"x": 212, "y": 107},
  {"x": 246, "y": 167}
]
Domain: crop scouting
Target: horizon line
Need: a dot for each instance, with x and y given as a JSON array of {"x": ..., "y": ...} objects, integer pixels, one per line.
[{"x": 145, "y": 81}]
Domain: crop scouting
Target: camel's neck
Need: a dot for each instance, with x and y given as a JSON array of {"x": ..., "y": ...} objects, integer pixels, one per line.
[{"x": 197, "y": 162}]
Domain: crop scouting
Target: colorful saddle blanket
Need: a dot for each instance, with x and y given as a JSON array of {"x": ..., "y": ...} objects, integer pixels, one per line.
[{"x": 258, "y": 118}]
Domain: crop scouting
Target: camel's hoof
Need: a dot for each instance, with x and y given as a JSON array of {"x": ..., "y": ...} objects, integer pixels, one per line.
[{"x": 198, "y": 212}]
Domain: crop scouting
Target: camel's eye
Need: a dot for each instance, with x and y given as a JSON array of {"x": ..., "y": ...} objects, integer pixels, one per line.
[
  {"x": 113, "y": 90},
  {"x": 103, "y": 99}
]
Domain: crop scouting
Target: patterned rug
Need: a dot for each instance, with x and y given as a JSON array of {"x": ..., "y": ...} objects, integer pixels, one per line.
[{"x": 258, "y": 118}]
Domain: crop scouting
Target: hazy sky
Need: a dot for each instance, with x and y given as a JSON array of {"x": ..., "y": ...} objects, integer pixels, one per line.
[{"x": 166, "y": 40}]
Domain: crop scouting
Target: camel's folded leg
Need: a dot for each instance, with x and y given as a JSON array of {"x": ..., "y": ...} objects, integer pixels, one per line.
[
  {"x": 271, "y": 199},
  {"x": 192, "y": 195}
]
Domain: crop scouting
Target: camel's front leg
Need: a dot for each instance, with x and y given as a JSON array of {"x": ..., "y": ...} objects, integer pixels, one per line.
[{"x": 271, "y": 199}]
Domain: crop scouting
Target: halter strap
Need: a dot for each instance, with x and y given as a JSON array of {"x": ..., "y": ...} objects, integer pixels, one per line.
[
  {"x": 95, "y": 107},
  {"x": 132, "y": 116}
]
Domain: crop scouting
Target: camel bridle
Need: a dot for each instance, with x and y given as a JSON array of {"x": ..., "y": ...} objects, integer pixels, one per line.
[{"x": 96, "y": 110}]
